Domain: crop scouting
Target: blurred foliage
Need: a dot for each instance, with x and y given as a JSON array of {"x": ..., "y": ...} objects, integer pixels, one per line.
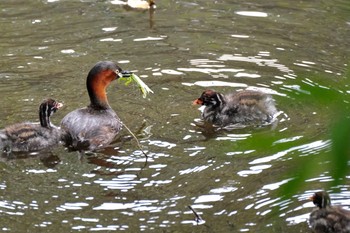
[
  {"x": 336, "y": 100},
  {"x": 340, "y": 148}
]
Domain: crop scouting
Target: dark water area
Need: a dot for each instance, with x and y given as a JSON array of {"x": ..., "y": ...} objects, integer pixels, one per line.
[{"x": 298, "y": 51}]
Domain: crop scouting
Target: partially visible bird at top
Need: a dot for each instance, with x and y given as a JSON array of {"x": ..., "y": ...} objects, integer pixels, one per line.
[
  {"x": 136, "y": 4},
  {"x": 141, "y": 4}
]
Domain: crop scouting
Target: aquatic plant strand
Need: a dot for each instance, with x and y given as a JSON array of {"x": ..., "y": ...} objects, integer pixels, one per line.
[
  {"x": 137, "y": 141},
  {"x": 141, "y": 85}
]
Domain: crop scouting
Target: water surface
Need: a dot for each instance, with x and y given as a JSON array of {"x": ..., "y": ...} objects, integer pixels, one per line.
[{"x": 296, "y": 51}]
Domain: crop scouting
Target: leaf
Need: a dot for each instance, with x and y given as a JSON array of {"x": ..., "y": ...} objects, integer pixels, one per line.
[
  {"x": 140, "y": 84},
  {"x": 143, "y": 87}
]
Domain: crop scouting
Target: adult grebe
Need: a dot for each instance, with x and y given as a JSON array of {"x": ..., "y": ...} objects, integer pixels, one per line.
[{"x": 96, "y": 125}]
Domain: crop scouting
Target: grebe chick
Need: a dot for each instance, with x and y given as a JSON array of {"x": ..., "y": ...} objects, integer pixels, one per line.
[
  {"x": 29, "y": 136},
  {"x": 327, "y": 218},
  {"x": 244, "y": 107},
  {"x": 96, "y": 125}
]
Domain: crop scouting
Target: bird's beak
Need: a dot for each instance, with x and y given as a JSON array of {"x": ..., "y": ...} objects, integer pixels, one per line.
[
  {"x": 124, "y": 74},
  {"x": 197, "y": 102},
  {"x": 59, "y": 105}
]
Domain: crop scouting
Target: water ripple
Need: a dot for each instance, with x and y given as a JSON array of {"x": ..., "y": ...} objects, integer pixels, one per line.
[
  {"x": 150, "y": 38},
  {"x": 209, "y": 70},
  {"x": 157, "y": 183},
  {"x": 259, "y": 61},
  {"x": 306, "y": 149},
  {"x": 233, "y": 137},
  {"x": 2, "y": 185},
  {"x": 253, "y": 170},
  {"x": 194, "y": 169},
  {"x": 72, "y": 206},
  {"x": 142, "y": 205},
  {"x": 215, "y": 84},
  {"x": 162, "y": 144},
  {"x": 224, "y": 190},
  {"x": 252, "y": 13},
  {"x": 122, "y": 182},
  {"x": 276, "y": 185},
  {"x": 209, "y": 198}
]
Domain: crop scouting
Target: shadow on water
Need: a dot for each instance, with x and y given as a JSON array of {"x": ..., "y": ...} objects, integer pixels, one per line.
[{"x": 48, "y": 159}]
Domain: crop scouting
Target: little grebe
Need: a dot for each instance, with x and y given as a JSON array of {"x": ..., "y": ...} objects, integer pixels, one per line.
[
  {"x": 29, "y": 136},
  {"x": 96, "y": 125},
  {"x": 327, "y": 218},
  {"x": 241, "y": 107}
]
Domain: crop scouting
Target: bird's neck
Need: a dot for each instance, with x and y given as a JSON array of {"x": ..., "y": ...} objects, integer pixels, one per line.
[
  {"x": 97, "y": 92},
  {"x": 44, "y": 115}
]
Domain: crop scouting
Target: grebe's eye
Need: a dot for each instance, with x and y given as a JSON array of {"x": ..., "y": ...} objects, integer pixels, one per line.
[{"x": 118, "y": 73}]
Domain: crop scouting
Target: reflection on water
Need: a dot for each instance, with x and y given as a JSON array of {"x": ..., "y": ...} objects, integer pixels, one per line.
[
  {"x": 310, "y": 148},
  {"x": 230, "y": 177}
]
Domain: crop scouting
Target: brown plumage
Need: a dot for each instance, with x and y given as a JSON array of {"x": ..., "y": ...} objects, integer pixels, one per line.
[
  {"x": 244, "y": 107},
  {"x": 327, "y": 218}
]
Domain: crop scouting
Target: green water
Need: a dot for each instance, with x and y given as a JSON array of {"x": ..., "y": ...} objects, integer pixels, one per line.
[{"x": 298, "y": 51}]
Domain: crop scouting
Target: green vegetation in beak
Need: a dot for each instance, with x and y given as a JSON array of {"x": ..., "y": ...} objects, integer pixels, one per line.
[{"x": 131, "y": 77}]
